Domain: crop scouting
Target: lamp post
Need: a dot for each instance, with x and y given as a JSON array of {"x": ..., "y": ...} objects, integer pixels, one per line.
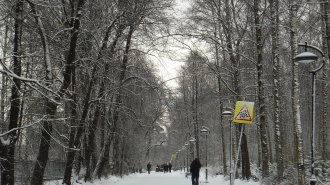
[
  {"x": 228, "y": 114},
  {"x": 186, "y": 144},
  {"x": 308, "y": 57},
  {"x": 193, "y": 140},
  {"x": 205, "y": 131},
  {"x": 184, "y": 160},
  {"x": 176, "y": 159},
  {"x": 179, "y": 160}
]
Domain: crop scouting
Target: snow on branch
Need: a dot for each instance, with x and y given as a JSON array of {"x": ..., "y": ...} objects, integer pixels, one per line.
[{"x": 10, "y": 73}]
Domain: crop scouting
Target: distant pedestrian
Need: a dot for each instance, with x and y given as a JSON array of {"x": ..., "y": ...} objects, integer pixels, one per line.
[
  {"x": 149, "y": 167},
  {"x": 169, "y": 167},
  {"x": 165, "y": 168},
  {"x": 194, "y": 170}
]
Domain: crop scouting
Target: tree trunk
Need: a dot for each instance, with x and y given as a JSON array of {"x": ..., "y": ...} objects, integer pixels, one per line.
[
  {"x": 118, "y": 100},
  {"x": 7, "y": 165},
  {"x": 91, "y": 128},
  {"x": 40, "y": 165},
  {"x": 298, "y": 142},
  {"x": 91, "y": 136},
  {"x": 221, "y": 120},
  {"x": 3, "y": 83},
  {"x": 195, "y": 107},
  {"x": 73, "y": 122},
  {"x": 246, "y": 172},
  {"x": 323, "y": 142},
  {"x": 261, "y": 98},
  {"x": 276, "y": 77},
  {"x": 104, "y": 156}
]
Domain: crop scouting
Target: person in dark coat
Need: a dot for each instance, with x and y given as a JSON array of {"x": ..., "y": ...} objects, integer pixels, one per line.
[
  {"x": 169, "y": 167},
  {"x": 194, "y": 170},
  {"x": 165, "y": 168},
  {"x": 149, "y": 167}
]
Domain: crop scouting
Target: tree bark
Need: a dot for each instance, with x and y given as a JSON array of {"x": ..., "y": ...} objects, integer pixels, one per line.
[
  {"x": 104, "y": 156},
  {"x": 118, "y": 100},
  {"x": 323, "y": 126},
  {"x": 246, "y": 171},
  {"x": 91, "y": 129},
  {"x": 298, "y": 142},
  {"x": 42, "y": 158},
  {"x": 276, "y": 78},
  {"x": 8, "y": 152},
  {"x": 261, "y": 98},
  {"x": 73, "y": 122}
]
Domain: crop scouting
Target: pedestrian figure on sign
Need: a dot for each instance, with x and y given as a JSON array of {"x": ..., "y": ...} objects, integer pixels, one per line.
[
  {"x": 194, "y": 170},
  {"x": 169, "y": 167},
  {"x": 149, "y": 167}
]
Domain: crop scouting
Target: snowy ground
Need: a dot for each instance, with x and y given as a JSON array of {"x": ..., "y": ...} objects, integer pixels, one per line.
[{"x": 159, "y": 178}]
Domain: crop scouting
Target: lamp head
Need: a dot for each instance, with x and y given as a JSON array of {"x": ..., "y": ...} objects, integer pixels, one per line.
[
  {"x": 226, "y": 113},
  {"x": 306, "y": 57},
  {"x": 204, "y": 130}
]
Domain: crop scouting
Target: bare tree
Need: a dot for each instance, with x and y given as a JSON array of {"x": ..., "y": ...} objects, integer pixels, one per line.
[
  {"x": 261, "y": 98},
  {"x": 274, "y": 5},
  {"x": 7, "y": 165},
  {"x": 298, "y": 142},
  {"x": 39, "y": 169}
]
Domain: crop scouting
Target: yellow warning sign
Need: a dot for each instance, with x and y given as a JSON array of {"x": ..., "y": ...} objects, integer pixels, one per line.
[
  {"x": 244, "y": 112},
  {"x": 173, "y": 156}
]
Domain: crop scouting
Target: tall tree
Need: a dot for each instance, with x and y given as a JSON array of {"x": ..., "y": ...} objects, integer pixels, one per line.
[
  {"x": 274, "y": 15},
  {"x": 326, "y": 45},
  {"x": 8, "y": 165},
  {"x": 43, "y": 154},
  {"x": 118, "y": 101},
  {"x": 91, "y": 128},
  {"x": 298, "y": 142},
  {"x": 261, "y": 98}
]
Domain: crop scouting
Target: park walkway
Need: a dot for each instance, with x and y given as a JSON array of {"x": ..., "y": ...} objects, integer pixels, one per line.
[{"x": 156, "y": 178}]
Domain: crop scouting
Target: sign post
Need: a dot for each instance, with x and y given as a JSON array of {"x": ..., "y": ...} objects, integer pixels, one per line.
[{"x": 244, "y": 112}]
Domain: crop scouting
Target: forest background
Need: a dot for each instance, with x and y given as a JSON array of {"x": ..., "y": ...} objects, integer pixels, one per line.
[{"x": 81, "y": 95}]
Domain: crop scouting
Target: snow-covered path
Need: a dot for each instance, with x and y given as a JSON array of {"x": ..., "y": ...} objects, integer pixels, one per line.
[
  {"x": 156, "y": 178},
  {"x": 159, "y": 178}
]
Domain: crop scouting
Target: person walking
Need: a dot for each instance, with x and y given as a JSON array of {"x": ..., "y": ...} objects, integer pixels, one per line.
[
  {"x": 165, "y": 168},
  {"x": 149, "y": 167},
  {"x": 194, "y": 170},
  {"x": 169, "y": 167}
]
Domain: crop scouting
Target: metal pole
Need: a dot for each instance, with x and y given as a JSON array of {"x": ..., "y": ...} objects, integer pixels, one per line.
[
  {"x": 230, "y": 154},
  {"x": 187, "y": 160},
  {"x": 193, "y": 151},
  {"x": 206, "y": 158},
  {"x": 184, "y": 164},
  {"x": 181, "y": 161},
  {"x": 313, "y": 180}
]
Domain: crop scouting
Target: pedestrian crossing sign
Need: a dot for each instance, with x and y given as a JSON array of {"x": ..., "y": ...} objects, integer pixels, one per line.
[
  {"x": 173, "y": 156},
  {"x": 244, "y": 112}
]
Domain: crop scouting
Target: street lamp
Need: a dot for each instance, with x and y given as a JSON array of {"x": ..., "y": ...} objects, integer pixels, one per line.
[
  {"x": 205, "y": 131},
  {"x": 228, "y": 114},
  {"x": 193, "y": 140},
  {"x": 186, "y": 144},
  {"x": 184, "y": 160},
  {"x": 179, "y": 160},
  {"x": 308, "y": 57}
]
